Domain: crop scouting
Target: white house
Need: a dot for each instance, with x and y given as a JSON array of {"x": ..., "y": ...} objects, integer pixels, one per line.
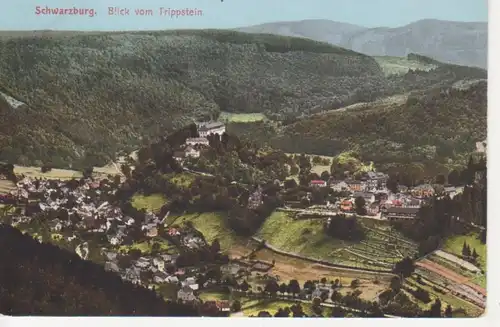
[
  {"x": 191, "y": 283},
  {"x": 339, "y": 186},
  {"x": 191, "y": 152},
  {"x": 368, "y": 197},
  {"x": 197, "y": 140},
  {"x": 186, "y": 294},
  {"x": 205, "y": 129},
  {"x": 172, "y": 279},
  {"x": 158, "y": 263}
]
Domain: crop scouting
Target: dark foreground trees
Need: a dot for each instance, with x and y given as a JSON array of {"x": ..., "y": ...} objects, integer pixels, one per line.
[{"x": 43, "y": 279}]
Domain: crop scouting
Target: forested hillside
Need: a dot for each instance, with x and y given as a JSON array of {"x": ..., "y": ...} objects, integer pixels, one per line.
[
  {"x": 439, "y": 126},
  {"x": 43, "y": 279},
  {"x": 92, "y": 94}
]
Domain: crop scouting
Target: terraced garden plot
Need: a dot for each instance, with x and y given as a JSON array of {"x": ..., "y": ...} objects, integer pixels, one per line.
[
  {"x": 443, "y": 271},
  {"x": 380, "y": 255},
  {"x": 432, "y": 278},
  {"x": 452, "y": 266},
  {"x": 368, "y": 260},
  {"x": 457, "y": 261},
  {"x": 306, "y": 237}
]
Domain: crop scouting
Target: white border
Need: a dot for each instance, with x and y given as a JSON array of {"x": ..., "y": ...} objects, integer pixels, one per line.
[{"x": 493, "y": 303}]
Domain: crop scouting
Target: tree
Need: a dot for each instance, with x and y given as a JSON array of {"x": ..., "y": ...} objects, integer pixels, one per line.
[
  {"x": 338, "y": 312},
  {"x": 396, "y": 284},
  {"x": 474, "y": 254},
  {"x": 336, "y": 296},
  {"x": 272, "y": 287},
  {"x": 244, "y": 286},
  {"x": 294, "y": 287},
  {"x": 392, "y": 183},
  {"x": 236, "y": 306},
  {"x": 359, "y": 203},
  {"x": 440, "y": 179},
  {"x": 448, "y": 312},
  {"x": 290, "y": 183},
  {"x": 316, "y": 306},
  {"x": 355, "y": 283},
  {"x": 297, "y": 310},
  {"x": 308, "y": 285},
  {"x": 464, "y": 249},
  {"x": 215, "y": 248},
  {"x": 46, "y": 168},
  {"x": 435, "y": 311},
  {"x": 454, "y": 178},
  {"x": 405, "y": 267},
  {"x": 126, "y": 170},
  {"x": 294, "y": 170},
  {"x": 325, "y": 176},
  {"x": 283, "y": 288},
  {"x": 87, "y": 172}
]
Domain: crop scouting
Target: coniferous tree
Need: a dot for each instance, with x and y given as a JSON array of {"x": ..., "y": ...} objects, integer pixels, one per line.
[{"x": 448, "y": 312}]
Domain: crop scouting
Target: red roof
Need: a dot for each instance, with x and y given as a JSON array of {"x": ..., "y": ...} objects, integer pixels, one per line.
[{"x": 318, "y": 182}]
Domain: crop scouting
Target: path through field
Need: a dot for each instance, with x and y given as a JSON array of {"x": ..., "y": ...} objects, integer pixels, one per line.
[
  {"x": 467, "y": 265},
  {"x": 440, "y": 270}
]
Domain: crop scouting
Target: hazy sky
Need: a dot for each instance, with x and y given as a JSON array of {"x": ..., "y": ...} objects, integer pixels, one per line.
[{"x": 20, "y": 14}]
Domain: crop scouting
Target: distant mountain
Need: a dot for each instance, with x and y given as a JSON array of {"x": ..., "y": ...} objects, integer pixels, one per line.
[{"x": 460, "y": 43}]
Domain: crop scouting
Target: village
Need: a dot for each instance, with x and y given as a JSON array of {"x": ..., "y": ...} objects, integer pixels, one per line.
[
  {"x": 76, "y": 214},
  {"x": 378, "y": 202},
  {"x": 151, "y": 250}
]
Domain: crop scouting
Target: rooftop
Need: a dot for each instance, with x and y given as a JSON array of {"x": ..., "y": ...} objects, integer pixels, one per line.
[
  {"x": 209, "y": 125},
  {"x": 404, "y": 210}
]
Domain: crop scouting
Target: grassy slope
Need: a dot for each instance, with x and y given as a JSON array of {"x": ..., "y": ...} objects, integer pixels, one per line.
[
  {"x": 306, "y": 237},
  {"x": 124, "y": 89},
  {"x": 152, "y": 202},
  {"x": 454, "y": 245},
  {"x": 400, "y": 65},
  {"x": 292, "y": 239},
  {"x": 213, "y": 226},
  {"x": 241, "y": 118}
]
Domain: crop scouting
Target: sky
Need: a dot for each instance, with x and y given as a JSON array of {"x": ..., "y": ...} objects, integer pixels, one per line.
[{"x": 22, "y": 14}]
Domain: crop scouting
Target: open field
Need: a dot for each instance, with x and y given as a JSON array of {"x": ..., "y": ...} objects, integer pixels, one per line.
[
  {"x": 454, "y": 245},
  {"x": 63, "y": 174},
  {"x": 400, "y": 65},
  {"x": 291, "y": 268},
  {"x": 213, "y": 226},
  {"x": 381, "y": 248},
  {"x": 152, "y": 202},
  {"x": 183, "y": 180},
  {"x": 241, "y": 118},
  {"x": 145, "y": 247},
  {"x": 6, "y": 186}
]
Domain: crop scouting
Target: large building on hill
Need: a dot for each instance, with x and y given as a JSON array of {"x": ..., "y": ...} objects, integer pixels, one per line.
[{"x": 205, "y": 129}]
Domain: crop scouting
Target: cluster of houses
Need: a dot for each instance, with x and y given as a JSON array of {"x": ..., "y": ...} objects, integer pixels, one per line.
[
  {"x": 84, "y": 206},
  {"x": 86, "y": 202},
  {"x": 193, "y": 146},
  {"x": 379, "y": 201}
]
